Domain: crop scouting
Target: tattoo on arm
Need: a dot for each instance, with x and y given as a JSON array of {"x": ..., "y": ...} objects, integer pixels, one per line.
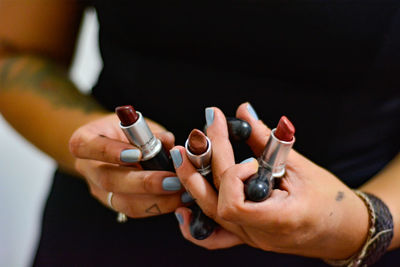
[
  {"x": 339, "y": 196},
  {"x": 154, "y": 209},
  {"x": 5, "y": 71},
  {"x": 45, "y": 79}
]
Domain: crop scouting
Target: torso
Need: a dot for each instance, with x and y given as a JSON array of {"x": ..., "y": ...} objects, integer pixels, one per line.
[{"x": 326, "y": 64}]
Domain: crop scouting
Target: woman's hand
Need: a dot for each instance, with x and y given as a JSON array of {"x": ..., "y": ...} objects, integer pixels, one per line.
[
  {"x": 312, "y": 213},
  {"x": 109, "y": 163}
]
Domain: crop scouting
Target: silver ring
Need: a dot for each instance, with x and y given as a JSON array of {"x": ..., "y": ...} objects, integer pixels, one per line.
[
  {"x": 121, "y": 217},
  {"x": 109, "y": 199}
]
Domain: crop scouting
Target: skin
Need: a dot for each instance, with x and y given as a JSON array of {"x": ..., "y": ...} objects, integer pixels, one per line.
[
  {"x": 312, "y": 214},
  {"x": 37, "y": 43}
]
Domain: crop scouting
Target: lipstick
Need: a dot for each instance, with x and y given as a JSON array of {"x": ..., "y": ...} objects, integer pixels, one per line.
[
  {"x": 272, "y": 162},
  {"x": 135, "y": 128},
  {"x": 198, "y": 150}
]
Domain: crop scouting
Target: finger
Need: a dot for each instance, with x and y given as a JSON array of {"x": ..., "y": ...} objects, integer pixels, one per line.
[
  {"x": 259, "y": 131},
  {"x": 167, "y": 138},
  {"x": 137, "y": 206},
  {"x": 199, "y": 189},
  {"x": 194, "y": 182},
  {"x": 231, "y": 197},
  {"x": 128, "y": 180},
  {"x": 218, "y": 240},
  {"x": 217, "y": 131},
  {"x": 87, "y": 145},
  {"x": 233, "y": 207}
]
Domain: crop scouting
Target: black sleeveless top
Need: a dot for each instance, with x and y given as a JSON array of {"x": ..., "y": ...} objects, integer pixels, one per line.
[{"x": 332, "y": 67}]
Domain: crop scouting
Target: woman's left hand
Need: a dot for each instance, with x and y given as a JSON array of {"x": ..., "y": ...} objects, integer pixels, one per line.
[{"x": 312, "y": 213}]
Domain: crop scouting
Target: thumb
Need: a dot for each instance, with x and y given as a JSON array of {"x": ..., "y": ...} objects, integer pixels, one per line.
[{"x": 259, "y": 133}]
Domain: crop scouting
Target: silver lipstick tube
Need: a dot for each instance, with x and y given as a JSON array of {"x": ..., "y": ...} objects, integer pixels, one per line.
[
  {"x": 275, "y": 155},
  {"x": 140, "y": 135},
  {"x": 201, "y": 162}
]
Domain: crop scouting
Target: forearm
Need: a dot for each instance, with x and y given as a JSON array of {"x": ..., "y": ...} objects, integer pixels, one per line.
[
  {"x": 43, "y": 105},
  {"x": 386, "y": 186}
]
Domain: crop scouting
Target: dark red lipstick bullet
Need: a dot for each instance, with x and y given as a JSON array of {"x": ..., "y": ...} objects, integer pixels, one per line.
[
  {"x": 135, "y": 128},
  {"x": 127, "y": 115}
]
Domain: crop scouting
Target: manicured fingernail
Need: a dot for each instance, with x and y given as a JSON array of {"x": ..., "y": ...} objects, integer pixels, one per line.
[
  {"x": 186, "y": 197},
  {"x": 130, "y": 155},
  {"x": 176, "y": 157},
  {"x": 247, "y": 160},
  {"x": 252, "y": 112},
  {"x": 209, "y": 116},
  {"x": 171, "y": 184},
  {"x": 179, "y": 217}
]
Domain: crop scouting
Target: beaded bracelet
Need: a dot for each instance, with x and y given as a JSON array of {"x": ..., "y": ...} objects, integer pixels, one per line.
[{"x": 380, "y": 234}]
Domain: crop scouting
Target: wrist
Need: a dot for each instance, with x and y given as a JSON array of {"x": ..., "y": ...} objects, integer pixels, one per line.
[
  {"x": 348, "y": 230},
  {"x": 379, "y": 237},
  {"x": 359, "y": 227}
]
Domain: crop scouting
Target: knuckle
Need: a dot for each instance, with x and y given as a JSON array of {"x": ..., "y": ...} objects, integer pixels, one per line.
[
  {"x": 78, "y": 166},
  {"x": 185, "y": 180},
  {"x": 92, "y": 190},
  {"x": 102, "y": 152},
  {"x": 115, "y": 158},
  {"x": 106, "y": 152},
  {"x": 170, "y": 203},
  {"x": 189, "y": 181},
  {"x": 105, "y": 182},
  {"x": 75, "y": 143},
  {"x": 131, "y": 211},
  {"x": 217, "y": 181},
  {"x": 224, "y": 212},
  {"x": 148, "y": 183},
  {"x": 228, "y": 212},
  {"x": 210, "y": 213}
]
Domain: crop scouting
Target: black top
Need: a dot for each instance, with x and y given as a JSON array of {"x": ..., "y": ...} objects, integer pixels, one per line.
[{"x": 332, "y": 67}]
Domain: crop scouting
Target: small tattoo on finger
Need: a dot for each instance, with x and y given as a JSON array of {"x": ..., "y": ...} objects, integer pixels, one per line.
[{"x": 154, "y": 209}]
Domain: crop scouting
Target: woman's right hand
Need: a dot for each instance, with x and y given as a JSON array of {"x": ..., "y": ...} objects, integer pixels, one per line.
[
  {"x": 312, "y": 213},
  {"x": 109, "y": 163}
]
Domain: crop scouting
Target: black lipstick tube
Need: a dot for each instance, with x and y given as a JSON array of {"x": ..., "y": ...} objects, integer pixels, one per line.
[{"x": 201, "y": 226}]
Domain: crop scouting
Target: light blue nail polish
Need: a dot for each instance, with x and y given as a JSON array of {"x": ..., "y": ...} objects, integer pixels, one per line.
[
  {"x": 209, "y": 116},
  {"x": 179, "y": 217},
  {"x": 171, "y": 184},
  {"x": 252, "y": 112},
  {"x": 247, "y": 160},
  {"x": 176, "y": 157},
  {"x": 130, "y": 155},
  {"x": 186, "y": 197}
]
